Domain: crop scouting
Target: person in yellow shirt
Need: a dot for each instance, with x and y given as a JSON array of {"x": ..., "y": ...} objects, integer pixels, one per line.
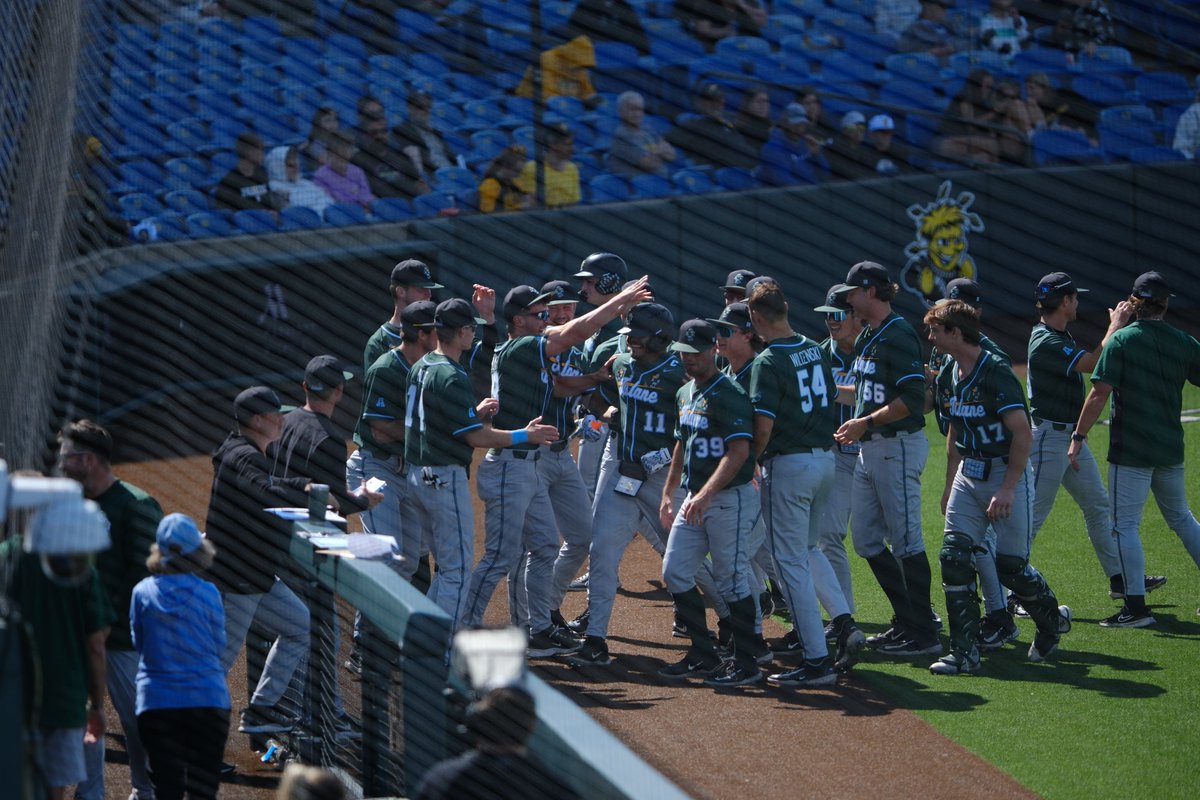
[
  {"x": 561, "y": 174},
  {"x": 497, "y": 190},
  {"x": 565, "y": 72}
]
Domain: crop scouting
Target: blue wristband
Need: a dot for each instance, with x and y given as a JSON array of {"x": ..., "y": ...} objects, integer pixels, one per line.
[{"x": 520, "y": 437}]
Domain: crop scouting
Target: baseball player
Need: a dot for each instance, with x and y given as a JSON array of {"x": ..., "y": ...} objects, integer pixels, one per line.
[
  {"x": 1143, "y": 369},
  {"x": 888, "y": 420},
  {"x": 442, "y": 424},
  {"x": 711, "y": 460},
  {"x": 987, "y": 483},
  {"x": 518, "y": 515},
  {"x": 735, "y": 285},
  {"x": 1056, "y": 369},
  {"x": 411, "y": 282},
  {"x": 793, "y": 395}
]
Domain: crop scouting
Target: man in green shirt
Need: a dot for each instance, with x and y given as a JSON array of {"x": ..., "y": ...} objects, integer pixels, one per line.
[
  {"x": 442, "y": 426},
  {"x": 988, "y": 485},
  {"x": 85, "y": 455},
  {"x": 1143, "y": 369}
]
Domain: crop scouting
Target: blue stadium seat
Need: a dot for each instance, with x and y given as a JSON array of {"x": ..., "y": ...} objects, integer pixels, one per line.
[
  {"x": 1163, "y": 88},
  {"x": 911, "y": 94},
  {"x": 455, "y": 180},
  {"x": 187, "y": 172},
  {"x": 255, "y": 221},
  {"x": 918, "y": 67},
  {"x": 471, "y": 86},
  {"x": 962, "y": 63},
  {"x": 191, "y": 134},
  {"x": 299, "y": 218},
  {"x": 869, "y": 46},
  {"x": 139, "y": 205},
  {"x": 1040, "y": 59},
  {"x": 570, "y": 107},
  {"x": 345, "y": 45},
  {"x": 839, "y": 65},
  {"x": 413, "y": 26},
  {"x": 217, "y": 29},
  {"x": 612, "y": 55},
  {"x": 1058, "y": 147},
  {"x": 179, "y": 81},
  {"x": 431, "y": 204},
  {"x": 170, "y": 106},
  {"x": 693, "y": 181},
  {"x": 393, "y": 209},
  {"x": 380, "y": 65},
  {"x": 524, "y": 137},
  {"x": 170, "y": 227},
  {"x": 864, "y": 8},
  {"x": 261, "y": 76},
  {"x": 209, "y": 223},
  {"x": 780, "y": 25},
  {"x": 171, "y": 54},
  {"x": 213, "y": 105},
  {"x": 1119, "y": 138},
  {"x": 1155, "y": 153},
  {"x": 1110, "y": 58},
  {"x": 506, "y": 15},
  {"x": 186, "y": 201},
  {"x": 735, "y": 179},
  {"x": 744, "y": 47},
  {"x": 491, "y": 140},
  {"x": 1102, "y": 88},
  {"x": 264, "y": 29},
  {"x": 805, "y": 8},
  {"x": 143, "y": 175},
  {"x": 339, "y": 214},
  {"x": 835, "y": 22},
  {"x": 430, "y": 65},
  {"x": 135, "y": 35},
  {"x": 212, "y": 52},
  {"x": 1125, "y": 114},
  {"x": 218, "y": 77},
  {"x": 303, "y": 49},
  {"x": 608, "y": 188},
  {"x": 646, "y": 186}
]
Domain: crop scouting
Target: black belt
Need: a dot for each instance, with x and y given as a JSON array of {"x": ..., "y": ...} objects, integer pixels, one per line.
[
  {"x": 803, "y": 451},
  {"x": 1058, "y": 426},
  {"x": 559, "y": 446},
  {"x": 524, "y": 455},
  {"x": 871, "y": 437}
]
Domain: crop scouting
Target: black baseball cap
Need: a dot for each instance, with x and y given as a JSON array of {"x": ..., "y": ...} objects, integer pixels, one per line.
[
  {"x": 325, "y": 372},
  {"x": 866, "y": 273},
  {"x": 750, "y": 284},
  {"x": 649, "y": 319},
  {"x": 709, "y": 90},
  {"x": 418, "y": 315},
  {"x": 1052, "y": 288},
  {"x": 412, "y": 272},
  {"x": 738, "y": 279},
  {"x": 520, "y": 298},
  {"x": 1151, "y": 286},
  {"x": 735, "y": 316},
  {"x": 835, "y": 299},
  {"x": 456, "y": 313},
  {"x": 559, "y": 292},
  {"x": 696, "y": 336},
  {"x": 966, "y": 290},
  {"x": 256, "y": 400}
]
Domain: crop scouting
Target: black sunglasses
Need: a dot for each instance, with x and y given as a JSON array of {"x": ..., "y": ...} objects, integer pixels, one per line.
[{"x": 836, "y": 316}]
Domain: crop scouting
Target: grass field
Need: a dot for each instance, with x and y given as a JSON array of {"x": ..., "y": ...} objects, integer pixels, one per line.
[{"x": 1113, "y": 713}]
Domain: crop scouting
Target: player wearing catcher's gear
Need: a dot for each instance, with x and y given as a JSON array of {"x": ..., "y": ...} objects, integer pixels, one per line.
[
  {"x": 1056, "y": 369},
  {"x": 442, "y": 425},
  {"x": 518, "y": 515},
  {"x": 710, "y": 459},
  {"x": 988, "y": 482},
  {"x": 411, "y": 282},
  {"x": 889, "y": 419},
  {"x": 1143, "y": 368}
]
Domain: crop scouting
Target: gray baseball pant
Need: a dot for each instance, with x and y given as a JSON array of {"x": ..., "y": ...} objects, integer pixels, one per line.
[
  {"x": 727, "y": 533},
  {"x": 444, "y": 513},
  {"x": 1130, "y": 487}
]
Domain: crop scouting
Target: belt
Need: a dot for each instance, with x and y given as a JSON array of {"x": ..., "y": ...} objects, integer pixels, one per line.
[
  {"x": 559, "y": 446},
  {"x": 1058, "y": 426},
  {"x": 519, "y": 455},
  {"x": 988, "y": 459},
  {"x": 803, "y": 451},
  {"x": 874, "y": 437}
]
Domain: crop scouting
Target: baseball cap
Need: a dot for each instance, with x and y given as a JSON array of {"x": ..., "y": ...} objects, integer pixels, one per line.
[
  {"x": 966, "y": 290},
  {"x": 557, "y": 132},
  {"x": 738, "y": 279},
  {"x": 696, "y": 336},
  {"x": 835, "y": 299},
  {"x": 1054, "y": 287},
  {"x": 559, "y": 292},
  {"x": 795, "y": 114},
  {"x": 1151, "y": 286},
  {"x": 520, "y": 298},
  {"x": 750, "y": 284},
  {"x": 866, "y": 273},
  {"x": 177, "y": 535},
  {"x": 412, "y": 272},
  {"x": 418, "y": 315},
  {"x": 648, "y": 319},
  {"x": 736, "y": 316},
  {"x": 853, "y": 118},
  {"x": 256, "y": 400},
  {"x": 325, "y": 372},
  {"x": 881, "y": 122},
  {"x": 710, "y": 90},
  {"x": 456, "y": 313}
]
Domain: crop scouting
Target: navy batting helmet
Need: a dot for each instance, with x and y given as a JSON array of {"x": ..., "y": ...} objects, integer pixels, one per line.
[{"x": 607, "y": 268}]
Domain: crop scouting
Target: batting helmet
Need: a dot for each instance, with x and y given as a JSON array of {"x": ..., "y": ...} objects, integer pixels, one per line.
[
  {"x": 607, "y": 268},
  {"x": 653, "y": 322}
]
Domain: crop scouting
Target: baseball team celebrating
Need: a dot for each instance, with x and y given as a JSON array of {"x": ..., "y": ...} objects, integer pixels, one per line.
[{"x": 744, "y": 451}]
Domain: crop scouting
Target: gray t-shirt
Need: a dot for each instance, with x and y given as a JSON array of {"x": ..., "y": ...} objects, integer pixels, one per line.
[{"x": 629, "y": 147}]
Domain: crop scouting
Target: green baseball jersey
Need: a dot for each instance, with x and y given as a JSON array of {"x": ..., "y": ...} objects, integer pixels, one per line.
[
  {"x": 133, "y": 517},
  {"x": 646, "y": 400},
  {"x": 383, "y": 339},
  {"x": 521, "y": 381},
  {"x": 710, "y": 417},
  {"x": 560, "y": 411},
  {"x": 976, "y": 403},
  {"x": 791, "y": 381},
  {"x": 1147, "y": 363},
  {"x": 1055, "y": 387},
  {"x": 887, "y": 364},
  {"x": 939, "y": 361},
  {"x": 440, "y": 411},
  {"x": 385, "y": 393},
  {"x": 840, "y": 362},
  {"x": 742, "y": 376}
]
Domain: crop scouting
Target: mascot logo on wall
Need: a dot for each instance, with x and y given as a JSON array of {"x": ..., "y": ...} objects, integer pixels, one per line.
[{"x": 939, "y": 254}]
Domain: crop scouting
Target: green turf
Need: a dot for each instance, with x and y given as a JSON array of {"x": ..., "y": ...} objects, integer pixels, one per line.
[{"x": 1114, "y": 713}]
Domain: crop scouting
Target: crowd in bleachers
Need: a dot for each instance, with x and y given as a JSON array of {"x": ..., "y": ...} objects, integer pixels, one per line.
[{"x": 234, "y": 122}]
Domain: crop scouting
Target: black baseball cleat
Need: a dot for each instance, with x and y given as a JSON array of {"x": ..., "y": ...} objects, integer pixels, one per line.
[
  {"x": 996, "y": 629},
  {"x": 788, "y": 644},
  {"x": 1128, "y": 618},
  {"x": 810, "y": 673},
  {"x": 912, "y": 646},
  {"x": 691, "y": 664},
  {"x": 593, "y": 653},
  {"x": 850, "y": 644},
  {"x": 729, "y": 675},
  {"x": 1117, "y": 585},
  {"x": 579, "y": 624},
  {"x": 893, "y": 633},
  {"x": 553, "y": 641}
]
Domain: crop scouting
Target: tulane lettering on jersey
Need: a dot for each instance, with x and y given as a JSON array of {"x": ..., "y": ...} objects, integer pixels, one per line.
[
  {"x": 976, "y": 404},
  {"x": 966, "y": 410},
  {"x": 638, "y": 393},
  {"x": 646, "y": 400},
  {"x": 691, "y": 418},
  {"x": 888, "y": 365}
]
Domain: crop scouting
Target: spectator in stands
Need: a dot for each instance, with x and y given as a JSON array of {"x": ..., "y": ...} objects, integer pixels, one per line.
[
  {"x": 885, "y": 153},
  {"x": 1064, "y": 109},
  {"x": 344, "y": 182},
  {"x": 1003, "y": 29},
  {"x": 425, "y": 147},
  {"x": 373, "y": 21},
  {"x": 820, "y": 123},
  {"x": 560, "y": 173},
  {"x": 849, "y": 156},
  {"x": 1019, "y": 118},
  {"x": 636, "y": 150},
  {"x": 565, "y": 73},
  {"x": 933, "y": 32},
  {"x": 246, "y": 185},
  {"x": 1187, "y": 130},
  {"x": 894, "y": 16},
  {"x": 708, "y": 137},
  {"x": 498, "y": 190},
  {"x": 968, "y": 127},
  {"x": 793, "y": 154},
  {"x": 283, "y": 173},
  {"x": 1084, "y": 26},
  {"x": 388, "y": 171},
  {"x": 708, "y": 21},
  {"x": 753, "y": 119},
  {"x": 749, "y": 16},
  {"x": 314, "y": 151},
  {"x": 607, "y": 21}
]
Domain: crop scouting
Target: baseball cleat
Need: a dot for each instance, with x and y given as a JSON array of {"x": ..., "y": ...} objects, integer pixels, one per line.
[
  {"x": 579, "y": 624},
  {"x": 1064, "y": 619},
  {"x": 996, "y": 629},
  {"x": 580, "y": 584},
  {"x": 1152, "y": 582},
  {"x": 789, "y": 644},
  {"x": 1043, "y": 645},
  {"x": 551, "y": 642},
  {"x": 810, "y": 673},
  {"x": 762, "y": 652},
  {"x": 731, "y": 674},
  {"x": 680, "y": 631},
  {"x": 911, "y": 646},
  {"x": 892, "y": 634},
  {"x": 1127, "y": 618},
  {"x": 691, "y": 664},
  {"x": 851, "y": 642},
  {"x": 956, "y": 663},
  {"x": 594, "y": 653}
]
